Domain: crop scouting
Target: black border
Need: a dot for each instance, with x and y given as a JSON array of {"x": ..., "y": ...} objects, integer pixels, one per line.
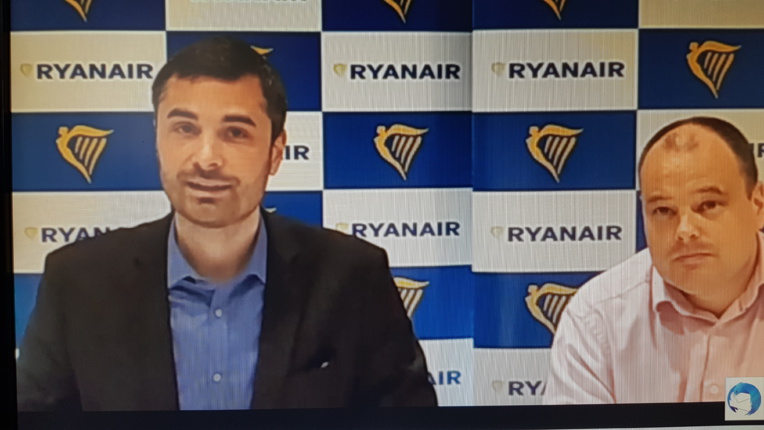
[{"x": 473, "y": 418}]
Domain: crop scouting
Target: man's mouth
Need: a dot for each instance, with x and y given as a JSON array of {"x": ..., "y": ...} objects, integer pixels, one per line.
[
  {"x": 210, "y": 187},
  {"x": 692, "y": 257}
]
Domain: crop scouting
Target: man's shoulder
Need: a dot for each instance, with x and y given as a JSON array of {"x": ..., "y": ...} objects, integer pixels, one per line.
[
  {"x": 626, "y": 282},
  {"x": 111, "y": 245}
]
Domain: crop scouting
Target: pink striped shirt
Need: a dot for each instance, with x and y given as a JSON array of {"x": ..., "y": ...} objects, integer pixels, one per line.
[{"x": 627, "y": 337}]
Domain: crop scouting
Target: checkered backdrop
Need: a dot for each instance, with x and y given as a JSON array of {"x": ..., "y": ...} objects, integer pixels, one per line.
[{"x": 489, "y": 146}]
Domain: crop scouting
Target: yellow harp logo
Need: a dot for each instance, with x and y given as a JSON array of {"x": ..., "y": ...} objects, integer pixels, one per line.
[
  {"x": 557, "y": 6},
  {"x": 411, "y": 292},
  {"x": 81, "y": 147},
  {"x": 261, "y": 51},
  {"x": 401, "y": 7},
  {"x": 551, "y": 146},
  {"x": 547, "y": 303},
  {"x": 710, "y": 63},
  {"x": 81, "y": 6},
  {"x": 398, "y": 145}
]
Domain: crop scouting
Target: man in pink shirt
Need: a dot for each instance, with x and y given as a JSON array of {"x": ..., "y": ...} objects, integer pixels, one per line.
[{"x": 672, "y": 322}]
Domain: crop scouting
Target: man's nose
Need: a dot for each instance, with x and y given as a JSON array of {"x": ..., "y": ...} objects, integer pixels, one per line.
[
  {"x": 208, "y": 153},
  {"x": 687, "y": 228}
]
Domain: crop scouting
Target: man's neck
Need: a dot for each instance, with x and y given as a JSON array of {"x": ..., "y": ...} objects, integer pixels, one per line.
[{"x": 218, "y": 254}]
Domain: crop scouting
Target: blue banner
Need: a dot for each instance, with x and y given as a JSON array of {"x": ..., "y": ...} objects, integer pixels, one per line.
[
  {"x": 397, "y": 15},
  {"x": 397, "y": 150},
  {"x": 554, "y": 151}
]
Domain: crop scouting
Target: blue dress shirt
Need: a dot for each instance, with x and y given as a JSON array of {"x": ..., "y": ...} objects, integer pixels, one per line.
[{"x": 215, "y": 330}]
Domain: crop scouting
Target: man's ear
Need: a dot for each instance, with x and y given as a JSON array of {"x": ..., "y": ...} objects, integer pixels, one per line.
[
  {"x": 757, "y": 200},
  {"x": 277, "y": 152}
]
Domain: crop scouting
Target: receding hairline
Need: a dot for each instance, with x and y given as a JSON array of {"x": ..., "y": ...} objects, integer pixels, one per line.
[{"x": 671, "y": 142}]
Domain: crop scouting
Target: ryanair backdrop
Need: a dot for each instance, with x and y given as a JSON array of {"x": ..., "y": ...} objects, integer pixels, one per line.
[
  {"x": 554, "y": 70},
  {"x": 397, "y": 15},
  {"x": 700, "y": 69},
  {"x": 295, "y": 55},
  {"x": 439, "y": 300},
  {"x": 554, "y": 151},
  {"x": 565, "y": 231},
  {"x": 244, "y": 15},
  {"x": 87, "y": 15},
  {"x": 491, "y": 14},
  {"x": 522, "y": 310},
  {"x": 84, "y": 71},
  {"x": 417, "y": 227},
  {"x": 304, "y": 206},
  {"x": 303, "y": 165},
  {"x": 406, "y": 150},
  {"x": 45, "y": 221},
  {"x": 396, "y": 71},
  {"x": 85, "y": 152}
]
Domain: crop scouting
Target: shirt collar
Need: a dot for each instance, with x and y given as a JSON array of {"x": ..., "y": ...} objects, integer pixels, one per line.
[
  {"x": 178, "y": 267},
  {"x": 661, "y": 293}
]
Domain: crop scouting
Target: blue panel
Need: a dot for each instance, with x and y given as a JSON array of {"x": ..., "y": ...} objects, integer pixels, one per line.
[
  {"x": 304, "y": 206},
  {"x": 502, "y": 318},
  {"x": 445, "y": 311},
  {"x": 102, "y": 15},
  {"x": 296, "y": 56},
  {"x": 381, "y": 15},
  {"x": 128, "y": 161},
  {"x": 667, "y": 82},
  {"x": 351, "y": 159},
  {"x": 602, "y": 158},
  {"x": 492, "y": 14},
  {"x": 25, "y": 294}
]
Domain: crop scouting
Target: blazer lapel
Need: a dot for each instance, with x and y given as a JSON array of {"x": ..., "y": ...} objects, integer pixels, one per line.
[
  {"x": 155, "y": 378},
  {"x": 284, "y": 299}
]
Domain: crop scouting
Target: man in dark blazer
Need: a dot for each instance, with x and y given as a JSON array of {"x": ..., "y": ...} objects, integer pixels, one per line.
[{"x": 219, "y": 305}]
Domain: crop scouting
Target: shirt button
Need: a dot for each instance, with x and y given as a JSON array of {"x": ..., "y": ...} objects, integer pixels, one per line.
[
  {"x": 713, "y": 389},
  {"x": 218, "y": 312},
  {"x": 217, "y": 377}
]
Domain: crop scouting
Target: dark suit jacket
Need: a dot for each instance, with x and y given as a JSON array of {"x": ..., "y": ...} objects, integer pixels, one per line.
[{"x": 100, "y": 338}]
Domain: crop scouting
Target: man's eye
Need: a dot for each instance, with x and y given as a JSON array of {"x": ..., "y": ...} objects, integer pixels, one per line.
[
  {"x": 708, "y": 205},
  {"x": 185, "y": 128},
  {"x": 237, "y": 133},
  {"x": 663, "y": 211}
]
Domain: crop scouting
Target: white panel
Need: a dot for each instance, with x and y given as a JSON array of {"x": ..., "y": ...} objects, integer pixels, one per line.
[
  {"x": 542, "y": 70},
  {"x": 438, "y": 223},
  {"x": 450, "y": 365},
  {"x": 365, "y": 71},
  {"x": 701, "y": 14},
  {"x": 553, "y": 231},
  {"x": 303, "y": 165},
  {"x": 43, "y": 222},
  {"x": 84, "y": 71},
  {"x": 244, "y": 15},
  {"x": 510, "y": 376}
]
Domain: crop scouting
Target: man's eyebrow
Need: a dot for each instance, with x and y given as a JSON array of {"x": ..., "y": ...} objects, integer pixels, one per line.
[
  {"x": 710, "y": 189},
  {"x": 181, "y": 113},
  {"x": 239, "y": 118},
  {"x": 655, "y": 198}
]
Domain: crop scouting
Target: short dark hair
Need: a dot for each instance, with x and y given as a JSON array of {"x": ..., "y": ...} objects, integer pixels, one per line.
[
  {"x": 730, "y": 134},
  {"x": 228, "y": 59}
]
